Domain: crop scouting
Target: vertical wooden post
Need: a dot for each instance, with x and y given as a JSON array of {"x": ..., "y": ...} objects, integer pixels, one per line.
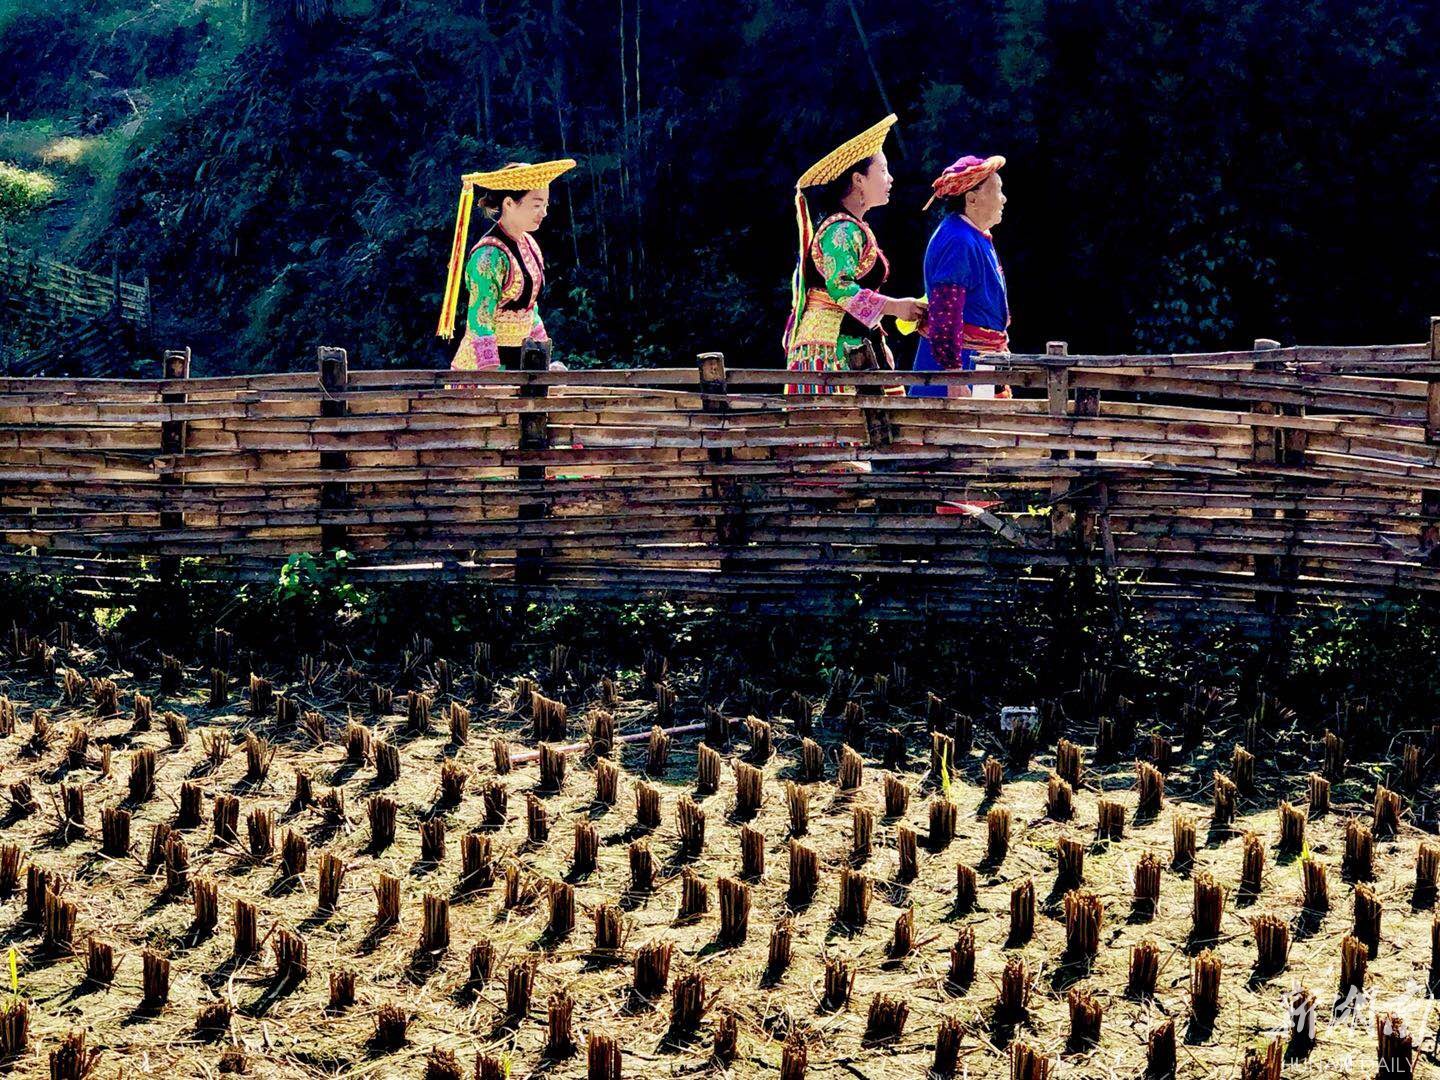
[
  {"x": 1094, "y": 509},
  {"x": 1430, "y": 497},
  {"x": 729, "y": 519},
  {"x": 173, "y": 437},
  {"x": 1057, "y": 386},
  {"x": 1292, "y": 444},
  {"x": 1265, "y": 453},
  {"x": 714, "y": 382},
  {"x": 1087, "y": 407},
  {"x": 115, "y": 306},
  {"x": 1265, "y": 441},
  {"x": 334, "y": 495},
  {"x": 534, "y": 435},
  {"x": 1057, "y": 396},
  {"x": 714, "y": 385}
]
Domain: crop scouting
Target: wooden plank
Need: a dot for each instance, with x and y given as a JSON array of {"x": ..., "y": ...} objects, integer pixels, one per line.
[{"x": 650, "y": 377}]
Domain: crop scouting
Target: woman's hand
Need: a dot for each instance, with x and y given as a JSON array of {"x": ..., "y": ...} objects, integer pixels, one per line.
[{"x": 908, "y": 308}]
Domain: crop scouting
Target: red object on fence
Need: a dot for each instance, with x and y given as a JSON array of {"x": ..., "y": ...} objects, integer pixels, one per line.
[{"x": 971, "y": 509}]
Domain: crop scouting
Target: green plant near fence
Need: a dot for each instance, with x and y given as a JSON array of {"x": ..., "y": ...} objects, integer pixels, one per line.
[{"x": 22, "y": 191}]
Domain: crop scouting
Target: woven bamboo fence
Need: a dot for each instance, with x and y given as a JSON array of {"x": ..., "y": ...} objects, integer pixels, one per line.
[
  {"x": 65, "y": 293},
  {"x": 1251, "y": 483}
]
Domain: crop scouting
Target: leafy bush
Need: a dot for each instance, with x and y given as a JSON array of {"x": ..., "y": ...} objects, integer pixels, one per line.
[{"x": 22, "y": 191}]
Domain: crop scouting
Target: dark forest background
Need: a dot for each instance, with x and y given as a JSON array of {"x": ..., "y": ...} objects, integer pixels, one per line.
[{"x": 1181, "y": 175}]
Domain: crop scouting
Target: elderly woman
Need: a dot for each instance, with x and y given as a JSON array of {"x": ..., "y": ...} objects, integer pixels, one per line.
[
  {"x": 836, "y": 304},
  {"x": 969, "y": 311},
  {"x": 504, "y": 271}
]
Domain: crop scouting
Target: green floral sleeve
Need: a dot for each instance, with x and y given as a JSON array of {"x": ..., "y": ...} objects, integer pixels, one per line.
[
  {"x": 485, "y": 277},
  {"x": 841, "y": 247}
]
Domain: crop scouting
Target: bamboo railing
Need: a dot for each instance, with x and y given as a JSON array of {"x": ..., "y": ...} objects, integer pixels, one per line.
[
  {"x": 1251, "y": 483},
  {"x": 65, "y": 293},
  {"x": 65, "y": 321}
]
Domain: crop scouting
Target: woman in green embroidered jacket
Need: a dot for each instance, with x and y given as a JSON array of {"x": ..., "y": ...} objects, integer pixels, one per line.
[
  {"x": 836, "y": 304},
  {"x": 504, "y": 272}
]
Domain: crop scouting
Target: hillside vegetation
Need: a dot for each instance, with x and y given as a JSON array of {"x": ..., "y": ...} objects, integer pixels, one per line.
[{"x": 1180, "y": 175}]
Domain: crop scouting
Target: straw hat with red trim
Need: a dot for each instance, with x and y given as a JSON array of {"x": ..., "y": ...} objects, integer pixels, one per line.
[{"x": 966, "y": 174}]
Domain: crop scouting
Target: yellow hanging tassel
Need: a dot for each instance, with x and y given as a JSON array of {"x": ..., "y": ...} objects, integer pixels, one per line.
[
  {"x": 797, "y": 280},
  {"x": 451, "y": 297}
]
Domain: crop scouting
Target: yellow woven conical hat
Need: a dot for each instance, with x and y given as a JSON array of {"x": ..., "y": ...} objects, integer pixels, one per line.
[
  {"x": 520, "y": 177},
  {"x": 834, "y": 164}
]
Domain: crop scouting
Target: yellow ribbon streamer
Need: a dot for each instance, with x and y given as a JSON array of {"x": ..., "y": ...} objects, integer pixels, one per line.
[{"x": 451, "y": 297}]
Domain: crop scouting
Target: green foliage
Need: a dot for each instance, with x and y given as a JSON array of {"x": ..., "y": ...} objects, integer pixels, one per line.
[
  {"x": 22, "y": 191},
  {"x": 289, "y": 168},
  {"x": 91, "y": 58},
  {"x": 1382, "y": 653},
  {"x": 319, "y": 582}
]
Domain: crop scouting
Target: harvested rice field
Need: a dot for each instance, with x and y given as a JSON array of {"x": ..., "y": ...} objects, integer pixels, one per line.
[{"x": 442, "y": 867}]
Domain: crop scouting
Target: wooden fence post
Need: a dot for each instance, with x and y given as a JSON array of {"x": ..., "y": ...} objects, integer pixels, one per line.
[
  {"x": 1430, "y": 500},
  {"x": 116, "y": 308},
  {"x": 173, "y": 438},
  {"x": 1087, "y": 407},
  {"x": 729, "y": 520},
  {"x": 1265, "y": 453},
  {"x": 1057, "y": 384},
  {"x": 534, "y": 435},
  {"x": 1293, "y": 444},
  {"x": 1057, "y": 396},
  {"x": 1265, "y": 440},
  {"x": 1095, "y": 512},
  {"x": 334, "y": 495}
]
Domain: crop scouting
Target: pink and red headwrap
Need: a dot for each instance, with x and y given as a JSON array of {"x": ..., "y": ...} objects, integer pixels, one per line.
[{"x": 967, "y": 173}]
